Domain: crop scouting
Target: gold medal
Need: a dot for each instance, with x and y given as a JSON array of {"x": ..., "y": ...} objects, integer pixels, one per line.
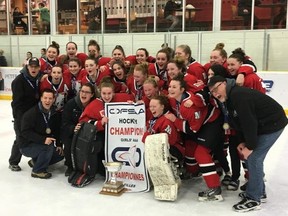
[
  {"x": 48, "y": 130},
  {"x": 226, "y": 126}
]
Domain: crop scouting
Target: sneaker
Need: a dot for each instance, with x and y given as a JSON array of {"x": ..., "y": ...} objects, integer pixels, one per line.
[
  {"x": 41, "y": 175},
  {"x": 68, "y": 171},
  {"x": 263, "y": 198},
  {"x": 233, "y": 185},
  {"x": 243, "y": 187},
  {"x": 226, "y": 180},
  {"x": 212, "y": 194},
  {"x": 14, "y": 167},
  {"x": 31, "y": 163},
  {"x": 247, "y": 204}
]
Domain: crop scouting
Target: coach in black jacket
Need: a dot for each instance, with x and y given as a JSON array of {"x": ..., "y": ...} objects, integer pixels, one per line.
[
  {"x": 40, "y": 135},
  {"x": 25, "y": 94},
  {"x": 259, "y": 120}
]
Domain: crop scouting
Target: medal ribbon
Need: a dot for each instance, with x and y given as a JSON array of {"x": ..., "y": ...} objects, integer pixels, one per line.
[
  {"x": 178, "y": 108},
  {"x": 225, "y": 112},
  {"x": 73, "y": 81},
  {"x": 35, "y": 87},
  {"x": 46, "y": 119},
  {"x": 151, "y": 125},
  {"x": 138, "y": 92}
]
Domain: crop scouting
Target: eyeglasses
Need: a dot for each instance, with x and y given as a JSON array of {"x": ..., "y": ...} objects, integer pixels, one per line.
[
  {"x": 215, "y": 89},
  {"x": 85, "y": 92}
]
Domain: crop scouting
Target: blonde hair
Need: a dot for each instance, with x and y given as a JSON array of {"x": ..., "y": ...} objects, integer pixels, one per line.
[
  {"x": 151, "y": 80},
  {"x": 106, "y": 82},
  {"x": 220, "y": 47},
  {"x": 143, "y": 67}
]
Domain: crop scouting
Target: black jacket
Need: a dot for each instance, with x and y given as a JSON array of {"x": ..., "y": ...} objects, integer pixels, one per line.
[
  {"x": 96, "y": 13},
  {"x": 33, "y": 127},
  {"x": 3, "y": 61},
  {"x": 253, "y": 113},
  {"x": 170, "y": 8},
  {"x": 246, "y": 4},
  {"x": 70, "y": 117},
  {"x": 24, "y": 96}
]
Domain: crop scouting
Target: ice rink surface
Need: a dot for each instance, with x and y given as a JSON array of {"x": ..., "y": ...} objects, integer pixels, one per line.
[{"x": 23, "y": 195}]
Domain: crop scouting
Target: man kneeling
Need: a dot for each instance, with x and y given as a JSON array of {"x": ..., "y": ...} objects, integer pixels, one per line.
[{"x": 40, "y": 131}]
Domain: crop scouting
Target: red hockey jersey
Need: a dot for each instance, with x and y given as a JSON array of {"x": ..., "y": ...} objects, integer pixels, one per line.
[
  {"x": 94, "y": 112},
  {"x": 164, "y": 125},
  {"x": 61, "y": 91}
]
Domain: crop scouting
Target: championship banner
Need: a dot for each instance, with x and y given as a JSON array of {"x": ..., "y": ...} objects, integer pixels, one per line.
[{"x": 123, "y": 143}]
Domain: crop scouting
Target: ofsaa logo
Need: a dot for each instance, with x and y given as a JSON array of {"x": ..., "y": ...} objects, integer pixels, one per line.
[
  {"x": 268, "y": 84},
  {"x": 117, "y": 111}
]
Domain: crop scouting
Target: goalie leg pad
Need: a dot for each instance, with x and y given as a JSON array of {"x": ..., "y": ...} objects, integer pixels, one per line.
[{"x": 162, "y": 170}]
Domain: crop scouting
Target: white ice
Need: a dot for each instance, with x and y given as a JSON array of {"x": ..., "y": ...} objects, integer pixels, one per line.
[{"x": 20, "y": 194}]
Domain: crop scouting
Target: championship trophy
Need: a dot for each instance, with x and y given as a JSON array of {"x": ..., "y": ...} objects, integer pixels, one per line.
[{"x": 112, "y": 186}]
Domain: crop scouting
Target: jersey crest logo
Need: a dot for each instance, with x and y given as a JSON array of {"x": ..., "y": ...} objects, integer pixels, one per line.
[
  {"x": 197, "y": 115},
  {"x": 168, "y": 129}
]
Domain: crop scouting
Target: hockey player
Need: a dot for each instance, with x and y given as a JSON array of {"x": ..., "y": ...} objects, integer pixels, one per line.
[
  {"x": 74, "y": 75},
  {"x": 218, "y": 56},
  {"x": 159, "y": 160},
  {"x": 159, "y": 106},
  {"x": 193, "y": 67},
  {"x": 70, "y": 118},
  {"x": 119, "y": 77},
  {"x": 50, "y": 58},
  {"x": 150, "y": 89},
  {"x": 94, "y": 75},
  {"x": 243, "y": 71},
  {"x": 71, "y": 52},
  {"x": 177, "y": 66},
  {"x": 60, "y": 86},
  {"x": 135, "y": 81},
  {"x": 94, "y": 113},
  {"x": 204, "y": 127},
  {"x": 159, "y": 70}
]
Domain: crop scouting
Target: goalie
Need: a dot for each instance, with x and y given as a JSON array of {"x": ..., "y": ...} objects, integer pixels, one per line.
[{"x": 161, "y": 148}]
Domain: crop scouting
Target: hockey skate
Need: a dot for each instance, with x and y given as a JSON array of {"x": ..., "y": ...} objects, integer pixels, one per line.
[
  {"x": 212, "y": 194},
  {"x": 161, "y": 167}
]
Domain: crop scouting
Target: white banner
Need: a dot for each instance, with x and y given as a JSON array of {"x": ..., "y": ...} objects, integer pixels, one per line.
[
  {"x": 276, "y": 83},
  {"x": 8, "y": 75},
  {"x": 123, "y": 143}
]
